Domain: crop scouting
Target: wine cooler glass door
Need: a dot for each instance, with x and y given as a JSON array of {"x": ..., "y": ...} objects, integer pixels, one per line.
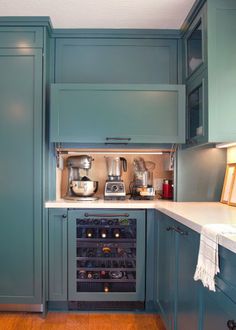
[{"x": 106, "y": 255}]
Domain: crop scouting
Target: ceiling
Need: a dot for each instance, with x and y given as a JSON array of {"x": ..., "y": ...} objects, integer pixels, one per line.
[{"x": 137, "y": 14}]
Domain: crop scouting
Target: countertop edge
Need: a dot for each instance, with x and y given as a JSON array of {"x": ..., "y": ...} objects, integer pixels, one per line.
[{"x": 191, "y": 214}]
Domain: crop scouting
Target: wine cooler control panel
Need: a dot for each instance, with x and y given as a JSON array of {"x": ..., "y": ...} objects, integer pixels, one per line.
[{"x": 106, "y": 254}]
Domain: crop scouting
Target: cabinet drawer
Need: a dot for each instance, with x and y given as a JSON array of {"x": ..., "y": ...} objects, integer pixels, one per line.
[{"x": 21, "y": 37}]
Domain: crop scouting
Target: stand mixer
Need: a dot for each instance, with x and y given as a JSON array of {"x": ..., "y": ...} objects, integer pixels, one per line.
[{"x": 80, "y": 187}]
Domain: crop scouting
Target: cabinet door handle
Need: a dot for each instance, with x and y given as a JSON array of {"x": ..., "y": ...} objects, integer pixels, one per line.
[
  {"x": 231, "y": 324},
  {"x": 170, "y": 229},
  {"x": 103, "y": 215},
  {"x": 64, "y": 216},
  {"x": 180, "y": 231},
  {"x": 118, "y": 139}
]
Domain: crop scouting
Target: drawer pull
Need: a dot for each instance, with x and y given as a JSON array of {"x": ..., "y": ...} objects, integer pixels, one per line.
[
  {"x": 170, "y": 229},
  {"x": 118, "y": 139},
  {"x": 181, "y": 232},
  {"x": 231, "y": 324},
  {"x": 126, "y": 215}
]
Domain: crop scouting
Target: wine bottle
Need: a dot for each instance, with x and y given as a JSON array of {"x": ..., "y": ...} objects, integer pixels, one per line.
[
  {"x": 103, "y": 233},
  {"x": 116, "y": 233},
  {"x": 89, "y": 233},
  {"x": 106, "y": 287},
  {"x": 89, "y": 275}
]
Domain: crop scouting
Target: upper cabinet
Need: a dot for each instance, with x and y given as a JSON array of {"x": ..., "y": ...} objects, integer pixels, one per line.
[
  {"x": 210, "y": 73},
  {"x": 114, "y": 113},
  {"x": 117, "y": 57},
  {"x": 195, "y": 45}
]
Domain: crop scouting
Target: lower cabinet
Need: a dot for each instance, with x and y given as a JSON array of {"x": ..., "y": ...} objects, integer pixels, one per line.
[
  {"x": 184, "y": 303},
  {"x": 219, "y": 311},
  {"x": 166, "y": 270},
  {"x": 178, "y": 294},
  {"x": 57, "y": 257}
]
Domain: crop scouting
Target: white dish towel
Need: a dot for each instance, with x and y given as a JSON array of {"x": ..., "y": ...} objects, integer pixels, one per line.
[{"x": 208, "y": 259}]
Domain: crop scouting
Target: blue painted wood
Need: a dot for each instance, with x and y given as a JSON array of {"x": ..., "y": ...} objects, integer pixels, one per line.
[
  {"x": 166, "y": 270},
  {"x": 21, "y": 176},
  {"x": 116, "y": 59},
  {"x": 218, "y": 310},
  {"x": 219, "y": 49},
  {"x": 178, "y": 295},
  {"x": 139, "y": 294},
  {"x": 135, "y": 113},
  {"x": 21, "y": 37},
  {"x": 188, "y": 291},
  {"x": 57, "y": 254}
]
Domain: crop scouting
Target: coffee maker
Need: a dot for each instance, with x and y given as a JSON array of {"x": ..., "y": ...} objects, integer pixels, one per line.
[
  {"x": 79, "y": 186},
  {"x": 114, "y": 186},
  {"x": 142, "y": 185}
]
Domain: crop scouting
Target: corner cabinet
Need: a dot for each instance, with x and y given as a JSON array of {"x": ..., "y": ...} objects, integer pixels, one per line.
[
  {"x": 21, "y": 168},
  {"x": 178, "y": 295},
  {"x": 112, "y": 114},
  {"x": 209, "y": 61}
]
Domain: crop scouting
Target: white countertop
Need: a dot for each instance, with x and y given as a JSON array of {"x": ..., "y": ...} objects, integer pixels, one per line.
[{"x": 192, "y": 214}]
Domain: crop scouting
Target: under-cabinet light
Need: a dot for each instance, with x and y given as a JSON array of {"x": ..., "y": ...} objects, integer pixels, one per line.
[{"x": 226, "y": 145}]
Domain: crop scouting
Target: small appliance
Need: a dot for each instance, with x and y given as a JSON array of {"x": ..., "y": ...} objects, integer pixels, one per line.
[
  {"x": 114, "y": 186},
  {"x": 142, "y": 185},
  {"x": 167, "y": 189},
  {"x": 80, "y": 187}
]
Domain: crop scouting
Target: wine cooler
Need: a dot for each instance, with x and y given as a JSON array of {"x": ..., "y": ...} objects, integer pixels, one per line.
[{"x": 106, "y": 258}]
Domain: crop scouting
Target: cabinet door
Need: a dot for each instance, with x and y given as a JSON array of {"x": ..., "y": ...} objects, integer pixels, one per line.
[
  {"x": 188, "y": 298},
  {"x": 197, "y": 107},
  {"x": 21, "y": 176},
  {"x": 219, "y": 311},
  {"x": 117, "y": 113},
  {"x": 167, "y": 275},
  {"x": 57, "y": 224},
  {"x": 195, "y": 45}
]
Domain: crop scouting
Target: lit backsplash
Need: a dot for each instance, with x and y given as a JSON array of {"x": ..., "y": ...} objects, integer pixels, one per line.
[
  {"x": 98, "y": 171},
  {"x": 231, "y": 155}
]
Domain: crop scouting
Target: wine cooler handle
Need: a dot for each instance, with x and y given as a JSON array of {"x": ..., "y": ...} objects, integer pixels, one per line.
[{"x": 106, "y": 215}]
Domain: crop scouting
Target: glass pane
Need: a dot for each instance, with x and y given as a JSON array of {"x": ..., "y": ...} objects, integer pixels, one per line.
[
  {"x": 106, "y": 254},
  {"x": 195, "y": 112},
  {"x": 194, "y": 48}
]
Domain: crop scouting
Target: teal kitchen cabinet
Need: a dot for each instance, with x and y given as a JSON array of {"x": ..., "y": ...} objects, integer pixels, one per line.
[
  {"x": 219, "y": 308},
  {"x": 57, "y": 254},
  {"x": 188, "y": 290},
  {"x": 209, "y": 53},
  {"x": 21, "y": 168},
  {"x": 166, "y": 270},
  {"x": 219, "y": 311},
  {"x": 178, "y": 294},
  {"x": 111, "y": 114}
]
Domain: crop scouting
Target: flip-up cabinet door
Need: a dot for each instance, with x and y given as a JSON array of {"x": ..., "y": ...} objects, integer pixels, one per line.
[{"x": 88, "y": 113}]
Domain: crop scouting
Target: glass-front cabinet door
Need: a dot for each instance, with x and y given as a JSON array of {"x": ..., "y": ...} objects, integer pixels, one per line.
[
  {"x": 194, "y": 49},
  {"x": 197, "y": 110},
  {"x": 195, "y": 44}
]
